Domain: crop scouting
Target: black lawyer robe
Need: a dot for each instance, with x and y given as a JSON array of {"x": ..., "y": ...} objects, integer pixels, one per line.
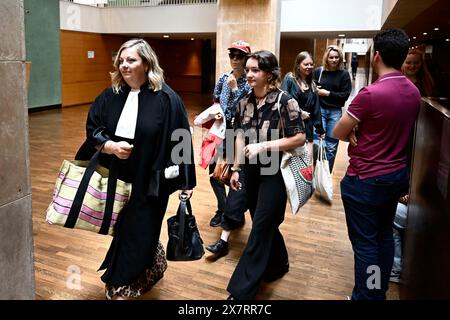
[{"x": 139, "y": 224}]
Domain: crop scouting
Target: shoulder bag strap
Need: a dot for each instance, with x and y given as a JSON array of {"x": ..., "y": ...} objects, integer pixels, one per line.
[
  {"x": 110, "y": 197},
  {"x": 185, "y": 205},
  {"x": 320, "y": 75},
  {"x": 279, "y": 112}
]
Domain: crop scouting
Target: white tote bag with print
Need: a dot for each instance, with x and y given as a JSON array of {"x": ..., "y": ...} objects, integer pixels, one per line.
[{"x": 322, "y": 178}]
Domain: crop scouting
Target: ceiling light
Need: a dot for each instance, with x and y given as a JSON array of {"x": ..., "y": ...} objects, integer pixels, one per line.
[
  {"x": 447, "y": 39},
  {"x": 414, "y": 38},
  {"x": 166, "y": 36},
  {"x": 341, "y": 35},
  {"x": 436, "y": 29},
  {"x": 424, "y": 33},
  {"x": 192, "y": 39}
]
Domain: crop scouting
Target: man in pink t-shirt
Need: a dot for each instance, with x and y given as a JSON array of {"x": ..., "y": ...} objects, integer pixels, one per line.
[{"x": 378, "y": 124}]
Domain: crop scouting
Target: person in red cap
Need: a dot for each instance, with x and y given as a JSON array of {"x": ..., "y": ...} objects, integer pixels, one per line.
[{"x": 230, "y": 88}]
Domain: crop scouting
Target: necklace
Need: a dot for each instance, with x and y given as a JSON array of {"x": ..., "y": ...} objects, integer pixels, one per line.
[
  {"x": 303, "y": 84},
  {"x": 259, "y": 99}
]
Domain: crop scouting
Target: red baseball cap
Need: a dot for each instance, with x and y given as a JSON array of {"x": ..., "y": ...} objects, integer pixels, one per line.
[{"x": 241, "y": 45}]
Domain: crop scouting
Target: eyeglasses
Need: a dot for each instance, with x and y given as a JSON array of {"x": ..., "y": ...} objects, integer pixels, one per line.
[{"x": 238, "y": 56}]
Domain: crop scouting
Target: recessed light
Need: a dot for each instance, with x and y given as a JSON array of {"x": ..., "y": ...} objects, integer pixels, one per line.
[
  {"x": 414, "y": 38},
  {"x": 447, "y": 39},
  {"x": 436, "y": 29},
  {"x": 166, "y": 36},
  {"x": 192, "y": 39},
  {"x": 424, "y": 33},
  {"x": 341, "y": 35}
]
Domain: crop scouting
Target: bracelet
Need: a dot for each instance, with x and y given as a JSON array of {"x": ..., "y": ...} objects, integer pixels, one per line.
[
  {"x": 264, "y": 145},
  {"x": 235, "y": 169}
]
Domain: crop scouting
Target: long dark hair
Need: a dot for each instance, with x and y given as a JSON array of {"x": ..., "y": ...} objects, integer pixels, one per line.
[
  {"x": 296, "y": 73},
  {"x": 268, "y": 62}
]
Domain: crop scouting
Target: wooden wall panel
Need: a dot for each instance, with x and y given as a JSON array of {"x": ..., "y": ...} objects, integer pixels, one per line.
[
  {"x": 181, "y": 61},
  {"x": 82, "y": 78},
  {"x": 289, "y": 48}
]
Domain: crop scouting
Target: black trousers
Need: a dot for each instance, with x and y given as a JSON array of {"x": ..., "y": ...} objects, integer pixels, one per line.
[
  {"x": 235, "y": 207},
  {"x": 219, "y": 189},
  {"x": 265, "y": 251}
]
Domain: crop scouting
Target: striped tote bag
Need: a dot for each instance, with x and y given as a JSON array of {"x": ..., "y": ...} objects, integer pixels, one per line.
[{"x": 87, "y": 196}]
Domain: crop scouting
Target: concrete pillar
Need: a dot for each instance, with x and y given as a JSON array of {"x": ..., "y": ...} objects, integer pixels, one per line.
[
  {"x": 254, "y": 21},
  {"x": 16, "y": 234}
]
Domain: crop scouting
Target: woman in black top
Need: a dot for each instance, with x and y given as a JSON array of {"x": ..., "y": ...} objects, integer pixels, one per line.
[
  {"x": 300, "y": 86},
  {"x": 334, "y": 88},
  {"x": 258, "y": 142},
  {"x": 134, "y": 120}
]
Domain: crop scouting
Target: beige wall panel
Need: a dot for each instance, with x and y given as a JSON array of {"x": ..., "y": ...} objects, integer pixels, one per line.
[
  {"x": 289, "y": 48},
  {"x": 254, "y": 21}
]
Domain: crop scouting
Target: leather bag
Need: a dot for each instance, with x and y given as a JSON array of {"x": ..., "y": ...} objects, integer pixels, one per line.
[
  {"x": 222, "y": 172},
  {"x": 185, "y": 243}
]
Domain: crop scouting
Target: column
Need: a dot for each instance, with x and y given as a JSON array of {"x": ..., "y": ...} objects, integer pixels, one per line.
[
  {"x": 16, "y": 233},
  {"x": 254, "y": 21}
]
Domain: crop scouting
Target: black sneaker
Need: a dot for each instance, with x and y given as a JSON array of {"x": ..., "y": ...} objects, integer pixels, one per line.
[
  {"x": 219, "y": 248},
  {"x": 216, "y": 220}
]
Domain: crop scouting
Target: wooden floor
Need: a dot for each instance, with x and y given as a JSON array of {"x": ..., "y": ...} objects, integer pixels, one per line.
[{"x": 321, "y": 258}]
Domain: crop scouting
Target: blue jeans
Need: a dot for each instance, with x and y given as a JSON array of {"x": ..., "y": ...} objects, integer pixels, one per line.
[
  {"x": 329, "y": 119},
  {"x": 370, "y": 206}
]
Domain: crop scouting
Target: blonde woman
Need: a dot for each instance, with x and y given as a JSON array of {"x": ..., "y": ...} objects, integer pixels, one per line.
[
  {"x": 334, "y": 88},
  {"x": 133, "y": 120}
]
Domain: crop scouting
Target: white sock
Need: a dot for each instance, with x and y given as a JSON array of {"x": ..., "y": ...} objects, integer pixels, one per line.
[{"x": 225, "y": 235}]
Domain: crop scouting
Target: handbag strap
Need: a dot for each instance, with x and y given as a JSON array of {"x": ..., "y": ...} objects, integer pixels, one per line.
[
  {"x": 181, "y": 217},
  {"x": 77, "y": 203},
  {"x": 322, "y": 154}
]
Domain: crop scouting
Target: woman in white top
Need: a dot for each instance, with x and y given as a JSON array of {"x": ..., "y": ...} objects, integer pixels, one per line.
[{"x": 133, "y": 120}]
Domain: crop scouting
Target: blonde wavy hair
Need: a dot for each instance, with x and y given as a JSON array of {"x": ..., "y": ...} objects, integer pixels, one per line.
[
  {"x": 155, "y": 74},
  {"x": 327, "y": 53}
]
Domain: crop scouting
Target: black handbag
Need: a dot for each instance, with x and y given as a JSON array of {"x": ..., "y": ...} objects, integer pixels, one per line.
[{"x": 185, "y": 243}]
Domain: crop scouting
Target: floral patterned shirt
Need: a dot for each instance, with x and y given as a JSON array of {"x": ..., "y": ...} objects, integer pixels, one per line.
[
  {"x": 228, "y": 98},
  {"x": 267, "y": 117}
]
